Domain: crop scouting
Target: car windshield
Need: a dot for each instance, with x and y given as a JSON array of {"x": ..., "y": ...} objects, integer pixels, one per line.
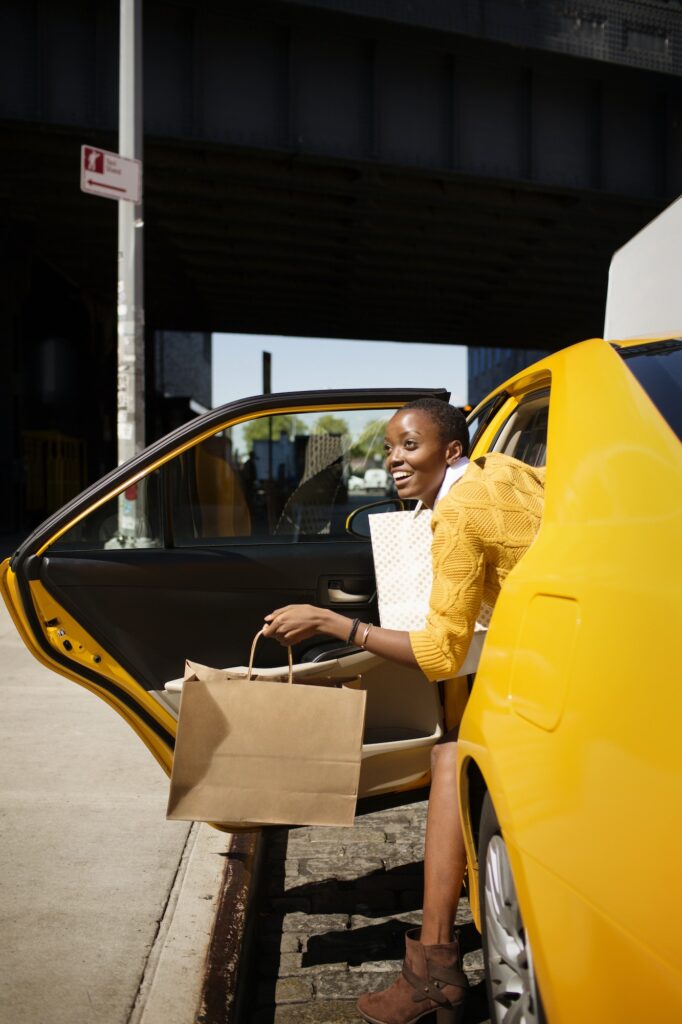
[{"x": 658, "y": 368}]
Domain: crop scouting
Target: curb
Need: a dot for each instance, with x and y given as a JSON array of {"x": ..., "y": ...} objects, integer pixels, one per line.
[
  {"x": 198, "y": 964},
  {"x": 227, "y": 964}
]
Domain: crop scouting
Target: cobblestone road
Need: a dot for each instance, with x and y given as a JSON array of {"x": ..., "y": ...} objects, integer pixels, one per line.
[{"x": 333, "y": 914}]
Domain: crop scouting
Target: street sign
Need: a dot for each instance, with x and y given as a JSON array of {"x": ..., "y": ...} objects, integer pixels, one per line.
[{"x": 110, "y": 175}]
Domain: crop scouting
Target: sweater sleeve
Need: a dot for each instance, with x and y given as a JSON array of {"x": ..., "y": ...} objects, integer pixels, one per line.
[{"x": 456, "y": 593}]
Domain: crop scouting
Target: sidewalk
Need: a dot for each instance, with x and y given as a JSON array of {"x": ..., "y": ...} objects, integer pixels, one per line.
[{"x": 106, "y": 908}]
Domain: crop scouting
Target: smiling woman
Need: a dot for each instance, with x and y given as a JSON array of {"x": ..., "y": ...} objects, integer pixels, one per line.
[
  {"x": 481, "y": 527},
  {"x": 416, "y": 455}
]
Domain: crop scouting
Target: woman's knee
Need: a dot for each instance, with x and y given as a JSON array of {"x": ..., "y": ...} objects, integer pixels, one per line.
[{"x": 444, "y": 756}]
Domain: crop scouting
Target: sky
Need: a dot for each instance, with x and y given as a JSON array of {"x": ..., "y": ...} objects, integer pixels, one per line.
[{"x": 301, "y": 364}]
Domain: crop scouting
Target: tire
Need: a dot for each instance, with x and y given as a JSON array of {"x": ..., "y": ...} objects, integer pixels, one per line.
[{"x": 513, "y": 996}]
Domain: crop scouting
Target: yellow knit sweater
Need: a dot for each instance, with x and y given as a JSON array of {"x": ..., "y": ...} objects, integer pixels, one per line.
[{"x": 481, "y": 528}]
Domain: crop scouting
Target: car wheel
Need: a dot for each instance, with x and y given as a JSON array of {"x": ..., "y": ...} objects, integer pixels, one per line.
[{"x": 510, "y": 979}]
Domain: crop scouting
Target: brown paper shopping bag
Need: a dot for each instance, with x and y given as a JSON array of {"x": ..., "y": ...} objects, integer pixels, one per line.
[{"x": 252, "y": 752}]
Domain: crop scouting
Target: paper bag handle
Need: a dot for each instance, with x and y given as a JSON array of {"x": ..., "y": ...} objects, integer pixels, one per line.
[{"x": 256, "y": 638}]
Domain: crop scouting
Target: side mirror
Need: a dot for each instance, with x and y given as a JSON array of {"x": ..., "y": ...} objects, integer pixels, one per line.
[{"x": 357, "y": 523}]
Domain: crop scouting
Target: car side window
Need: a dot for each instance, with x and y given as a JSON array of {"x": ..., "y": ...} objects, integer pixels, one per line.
[
  {"x": 523, "y": 435},
  {"x": 275, "y": 478},
  {"x": 479, "y": 419}
]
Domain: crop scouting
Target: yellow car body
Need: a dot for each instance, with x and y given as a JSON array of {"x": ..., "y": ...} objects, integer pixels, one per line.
[{"x": 572, "y": 727}]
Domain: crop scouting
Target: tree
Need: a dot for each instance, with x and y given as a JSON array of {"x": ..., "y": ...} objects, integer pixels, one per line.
[
  {"x": 330, "y": 424},
  {"x": 370, "y": 443}
]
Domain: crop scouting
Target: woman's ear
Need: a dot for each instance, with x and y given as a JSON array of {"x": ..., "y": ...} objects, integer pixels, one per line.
[{"x": 453, "y": 452}]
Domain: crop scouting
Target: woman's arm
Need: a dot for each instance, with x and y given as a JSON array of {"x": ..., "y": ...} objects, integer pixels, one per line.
[{"x": 296, "y": 622}]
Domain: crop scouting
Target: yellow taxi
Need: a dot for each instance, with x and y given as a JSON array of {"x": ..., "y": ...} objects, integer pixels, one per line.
[
  {"x": 570, "y": 776},
  {"x": 570, "y": 773}
]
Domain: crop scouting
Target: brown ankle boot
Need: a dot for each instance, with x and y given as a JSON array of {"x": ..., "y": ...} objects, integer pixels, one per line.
[{"x": 432, "y": 979}]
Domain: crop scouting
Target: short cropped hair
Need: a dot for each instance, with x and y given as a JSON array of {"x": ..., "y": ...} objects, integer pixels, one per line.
[{"x": 451, "y": 422}]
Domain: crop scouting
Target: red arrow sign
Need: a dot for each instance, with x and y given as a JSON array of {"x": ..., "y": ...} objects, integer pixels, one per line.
[
  {"x": 100, "y": 184},
  {"x": 110, "y": 175}
]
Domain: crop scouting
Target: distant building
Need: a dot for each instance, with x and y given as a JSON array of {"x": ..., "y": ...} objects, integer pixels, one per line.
[
  {"x": 488, "y": 367},
  {"x": 182, "y": 378}
]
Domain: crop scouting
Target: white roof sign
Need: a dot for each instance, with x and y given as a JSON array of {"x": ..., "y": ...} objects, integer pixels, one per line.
[
  {"x": 644, "y": 298},
  {"x": 110, "y": 175}
]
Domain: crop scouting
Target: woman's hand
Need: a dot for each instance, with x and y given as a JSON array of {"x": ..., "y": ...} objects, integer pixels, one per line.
[
  {"x": 296, "y": 622},
  {"x": 293, "y": 623}
]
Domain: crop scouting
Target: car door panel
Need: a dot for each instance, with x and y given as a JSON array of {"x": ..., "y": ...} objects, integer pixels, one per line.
[
  {"x": 153, "y": 609},
  {"x": 121, "y": 619}
]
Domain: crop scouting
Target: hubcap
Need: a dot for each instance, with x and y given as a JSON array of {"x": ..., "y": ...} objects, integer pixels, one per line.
[{"x": 510, "y": 963}]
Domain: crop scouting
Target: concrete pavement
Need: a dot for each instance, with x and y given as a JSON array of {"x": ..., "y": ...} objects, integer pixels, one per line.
[{"x": 106, "y": 909}]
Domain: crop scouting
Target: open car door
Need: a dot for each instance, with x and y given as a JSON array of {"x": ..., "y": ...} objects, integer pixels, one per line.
[{"x": 180, "y": 553}]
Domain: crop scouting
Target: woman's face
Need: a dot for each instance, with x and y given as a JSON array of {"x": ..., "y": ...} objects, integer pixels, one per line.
[{"x": 416, "y": 454}]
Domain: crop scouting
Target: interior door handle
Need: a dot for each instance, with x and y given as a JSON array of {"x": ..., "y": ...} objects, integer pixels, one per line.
[{"x": 341, "y": 596}]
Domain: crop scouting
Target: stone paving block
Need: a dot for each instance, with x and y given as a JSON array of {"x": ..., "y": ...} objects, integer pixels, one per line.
[
  {"x": 409, "y": 919},
  {"x": 298, "y": 836},
  {"x": 340, "y": 837},
  {"x": 352, "y": 868},
  {"x": 377, "y": 967},
  {"x": 473, "y": 961},
  {"x": 291, "y": 942},
  {"x": 291, "y": 965},
  {"x": 315, "y": 924},
  {"x": 348, "y": 986},
  {"x": 293, "y": 882},
  {"x": 464, "y": 915},
  {"x": 330, "y": 851},
  {"x": 293, "y": 990},
  {"x": 394, "y": 862},
  {"x": 336, "y": 1011}
]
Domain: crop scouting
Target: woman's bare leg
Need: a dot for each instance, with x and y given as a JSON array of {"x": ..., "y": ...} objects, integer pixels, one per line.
[
  {"x": 443, "y": 874},
  {"x": 444, "y": 856}
]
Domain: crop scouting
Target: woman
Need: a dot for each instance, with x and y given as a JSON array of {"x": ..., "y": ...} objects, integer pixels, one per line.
[{"x": 482, "y": 524}]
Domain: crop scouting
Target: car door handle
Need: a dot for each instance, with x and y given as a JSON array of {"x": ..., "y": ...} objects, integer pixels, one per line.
[{"x": 339, "y": 596}]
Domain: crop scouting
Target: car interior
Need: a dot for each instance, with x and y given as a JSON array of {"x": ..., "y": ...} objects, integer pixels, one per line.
[{"x": 214, "y": 550}]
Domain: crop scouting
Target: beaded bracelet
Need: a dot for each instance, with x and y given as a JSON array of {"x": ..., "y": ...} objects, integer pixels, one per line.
[{"x": 353, "y": 630}]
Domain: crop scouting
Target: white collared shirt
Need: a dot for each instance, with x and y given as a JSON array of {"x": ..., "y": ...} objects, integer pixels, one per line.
[{"x": 452, "y": 475}]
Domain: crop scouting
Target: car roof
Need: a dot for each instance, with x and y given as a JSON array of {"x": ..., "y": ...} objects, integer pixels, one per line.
[{"x": 539, "y": 373}]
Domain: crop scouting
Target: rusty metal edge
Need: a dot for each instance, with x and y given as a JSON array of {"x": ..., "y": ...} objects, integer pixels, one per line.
[{"x": 227, "y": 961}]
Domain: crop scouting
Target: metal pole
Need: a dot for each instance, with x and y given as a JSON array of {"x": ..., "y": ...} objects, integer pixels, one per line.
[
  {"x": 267, "y": 390},
  {"x": 131, "y": 355}
]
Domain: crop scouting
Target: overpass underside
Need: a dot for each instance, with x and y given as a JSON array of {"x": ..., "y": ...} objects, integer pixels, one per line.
[
  {"x": 275, "y": 243},
  {"x": 441, "y": 172},
  {"x": 317, "y": 169}
]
